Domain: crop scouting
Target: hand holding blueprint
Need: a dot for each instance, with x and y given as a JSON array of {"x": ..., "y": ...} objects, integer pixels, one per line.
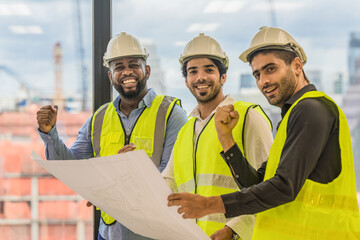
[{"x": 130, "y": 189}]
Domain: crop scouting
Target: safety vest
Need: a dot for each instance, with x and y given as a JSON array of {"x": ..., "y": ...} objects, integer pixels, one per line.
[
  {"x": 201, "y": 169},
  {"x": 108, "y": 135},
  {"x": 320, "y": 211}
]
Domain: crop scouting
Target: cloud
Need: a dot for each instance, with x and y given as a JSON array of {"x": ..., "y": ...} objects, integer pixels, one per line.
[{"x": 322, "y": 27}]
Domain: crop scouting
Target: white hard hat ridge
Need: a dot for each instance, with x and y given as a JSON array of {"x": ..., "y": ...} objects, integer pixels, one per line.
[
  {"x": 273, "y": 38},
  {"x": 124, "y": 45},
  {"x": 203, "y": 46}
]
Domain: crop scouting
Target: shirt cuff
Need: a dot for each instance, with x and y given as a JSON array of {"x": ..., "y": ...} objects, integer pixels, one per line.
[
  {"x": 232, "y": 204},
  {"x": 48, "y": 137},
  {"x": 232, "y": 154},
  {"x": 242, "y": 226},
  {"x": 232, "y": 157}
]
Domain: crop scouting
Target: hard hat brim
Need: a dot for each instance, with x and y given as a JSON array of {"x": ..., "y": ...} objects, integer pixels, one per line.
[
  {"x": 244, "y": 56},
  {"x": 107, "y": 61},
  {"x": 185, "y": 59}
]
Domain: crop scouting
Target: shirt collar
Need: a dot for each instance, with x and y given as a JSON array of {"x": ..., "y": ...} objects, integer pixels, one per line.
[
  {"x": 295, "y": 97},
  {"x": 145, "y": 102},
  {"x": 227, "y": 100}
]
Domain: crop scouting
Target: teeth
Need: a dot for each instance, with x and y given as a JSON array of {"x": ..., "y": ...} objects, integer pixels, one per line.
[
  {"x": 202, "y": 86},
  {"x": 271, "y": 89},
  {"x": 129, "y": 81}
]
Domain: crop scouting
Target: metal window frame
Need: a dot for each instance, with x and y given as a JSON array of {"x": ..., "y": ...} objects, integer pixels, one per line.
[{"x": 102, "y": 91}]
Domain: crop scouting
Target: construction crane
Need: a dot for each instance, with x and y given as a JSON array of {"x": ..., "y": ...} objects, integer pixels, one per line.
[
  {"x": 272, "y": 14},
  {"x": 23, "y": 85},
  {"x": 13, "y": 74},
  {"x": 58, "y": 76},
  {"x": 81, "y": 52}
]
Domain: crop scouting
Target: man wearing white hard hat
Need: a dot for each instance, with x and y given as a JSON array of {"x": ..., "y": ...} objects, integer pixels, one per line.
[
  {"x": 306, "y": 189},
  {"x": 195, "y": 165},
  {"x": 137, "y": 118}
]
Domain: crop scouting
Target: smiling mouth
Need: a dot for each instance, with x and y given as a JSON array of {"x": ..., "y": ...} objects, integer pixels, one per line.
[
  {"x": 201, "y": 87},
  {"x": 270, "y": 90},
  {"x": 127, "y": 81}
]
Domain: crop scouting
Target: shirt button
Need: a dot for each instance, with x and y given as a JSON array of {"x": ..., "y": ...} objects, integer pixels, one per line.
[
  {"x": 227, "y": 157},
  {"x": 236, "y": 176},
  {"x": 231, "y": 154}
]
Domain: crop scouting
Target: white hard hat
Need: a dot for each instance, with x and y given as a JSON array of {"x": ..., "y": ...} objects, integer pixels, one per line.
[
  {"x": 273, "y": 38},
  {"x": 124, "y": 45},
  {"x": 203, "y": 46}
]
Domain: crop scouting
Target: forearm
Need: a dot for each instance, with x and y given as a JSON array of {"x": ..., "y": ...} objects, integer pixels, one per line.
[
  {"x": 226, "y": 141},
  {"x": 244, "y": 174},
  {"x": 263, "y": 196},
  {"x": 55, "y": 149}
]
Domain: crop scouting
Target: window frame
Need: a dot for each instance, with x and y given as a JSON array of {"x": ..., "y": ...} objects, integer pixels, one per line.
[{"x": 101, "y": 35}]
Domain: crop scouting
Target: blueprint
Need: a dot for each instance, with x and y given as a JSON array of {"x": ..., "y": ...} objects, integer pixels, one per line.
[{"x": 129, "y": 188}]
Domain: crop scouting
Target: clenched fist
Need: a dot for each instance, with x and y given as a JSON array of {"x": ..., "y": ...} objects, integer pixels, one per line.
[
  {"x": 46, "y": 118},
  {"x": 226, "y": 118}
]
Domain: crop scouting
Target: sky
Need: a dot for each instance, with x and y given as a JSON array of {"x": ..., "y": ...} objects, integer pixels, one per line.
[{"x": 29, "y": 30}]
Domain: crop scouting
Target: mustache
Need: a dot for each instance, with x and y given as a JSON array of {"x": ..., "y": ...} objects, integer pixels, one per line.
[
  {"x": 129, "y": 77},
  {"x": 201, "y": 82},
  {"x": 266, "y": 85}
]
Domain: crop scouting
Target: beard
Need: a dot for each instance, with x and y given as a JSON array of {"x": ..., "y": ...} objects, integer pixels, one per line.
[
  {"x": 286, "y": 87},
  {"x": 204, "y": 98},
  {"x": 140, "y": 86}
]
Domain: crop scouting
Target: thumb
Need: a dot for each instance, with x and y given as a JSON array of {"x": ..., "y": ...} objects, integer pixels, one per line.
[
  {"x": 234, "y": 114},
  {"x": 55, "y": 107}
]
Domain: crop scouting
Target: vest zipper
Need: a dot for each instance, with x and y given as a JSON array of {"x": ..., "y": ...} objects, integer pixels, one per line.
[
  {"x": 194, "y": 154},
  {"x": 127, "y": 137}
]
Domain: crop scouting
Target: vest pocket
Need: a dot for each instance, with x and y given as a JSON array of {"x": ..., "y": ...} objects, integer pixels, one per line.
[
  {"x": 144, "y": 143},
  {"x": 114, "y": 137}
]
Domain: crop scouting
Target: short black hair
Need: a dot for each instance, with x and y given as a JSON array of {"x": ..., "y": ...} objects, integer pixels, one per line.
[{"x": 222, "y": 68}]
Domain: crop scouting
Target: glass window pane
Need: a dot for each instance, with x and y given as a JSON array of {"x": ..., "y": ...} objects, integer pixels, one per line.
[
  {"x": 45, "y": 59},
  {"x": 329, "y": 33}
]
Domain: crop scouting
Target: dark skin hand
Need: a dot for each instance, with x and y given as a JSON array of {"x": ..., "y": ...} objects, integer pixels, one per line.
[
  {"x": 127, "y": 148},
  {"x": 124, "y": 149},
  {"x": 46, "y": 117}
]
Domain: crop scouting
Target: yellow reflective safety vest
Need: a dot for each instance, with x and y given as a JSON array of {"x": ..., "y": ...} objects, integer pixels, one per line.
[
  {"x": 108, "y": 135},
  {"x": 201, "y": 169},
  {"x": 320, "y": 211}
]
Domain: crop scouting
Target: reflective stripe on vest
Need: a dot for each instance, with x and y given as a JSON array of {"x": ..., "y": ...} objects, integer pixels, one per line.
[
  {"x": 201, "y": 169},
  {"x": 148, "y": 134},
  {"x": 320, "y": 211},
  {"x": 209, "y": 180}
]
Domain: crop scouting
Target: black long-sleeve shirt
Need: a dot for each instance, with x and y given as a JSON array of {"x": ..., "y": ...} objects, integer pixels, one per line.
[{"x": 311, "y": 151}]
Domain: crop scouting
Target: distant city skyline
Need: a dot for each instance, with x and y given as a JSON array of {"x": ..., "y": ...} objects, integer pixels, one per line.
[{"x": 29, "y": 29}]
